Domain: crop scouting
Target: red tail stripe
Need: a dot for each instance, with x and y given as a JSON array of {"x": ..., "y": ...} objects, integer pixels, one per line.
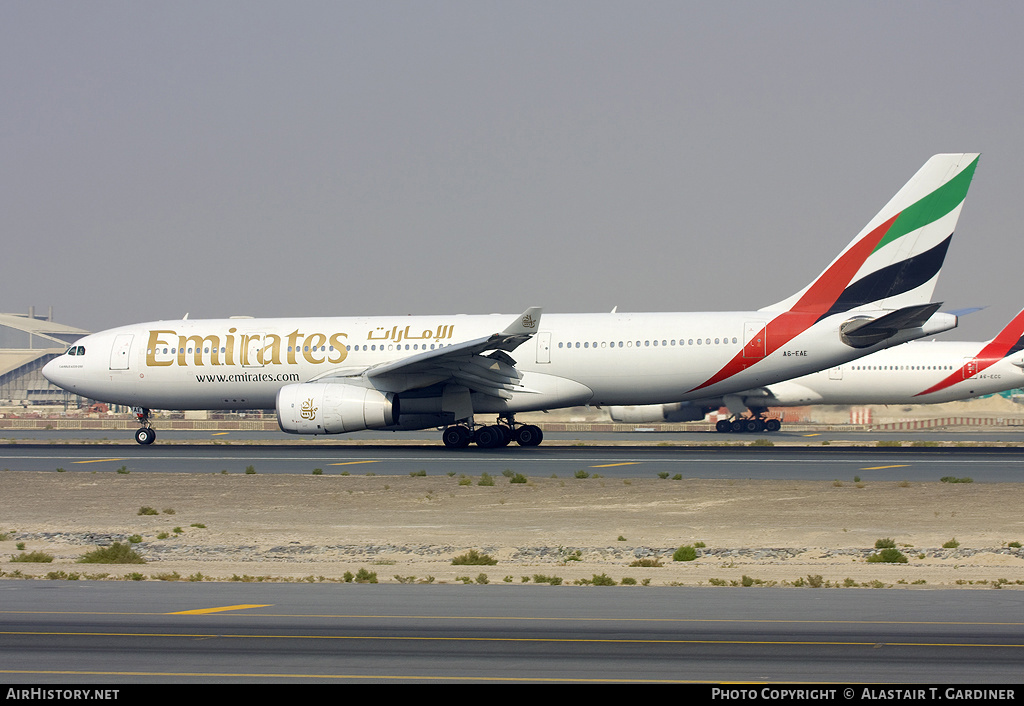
[
  {"x": 821, "y": 295},
  {"x": 994, "y": 351}
]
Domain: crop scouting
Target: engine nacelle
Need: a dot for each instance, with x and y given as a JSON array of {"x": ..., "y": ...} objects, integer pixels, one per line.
[
  {"x": 676, "y": 412},
  {"x": 333, "y": 408}
]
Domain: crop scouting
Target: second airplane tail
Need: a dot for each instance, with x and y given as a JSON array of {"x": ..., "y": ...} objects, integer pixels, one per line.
[{"x": 894, "y": 262}]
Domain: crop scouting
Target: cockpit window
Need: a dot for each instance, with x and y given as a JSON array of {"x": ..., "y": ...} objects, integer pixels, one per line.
[{"x": 76, "y": 350}]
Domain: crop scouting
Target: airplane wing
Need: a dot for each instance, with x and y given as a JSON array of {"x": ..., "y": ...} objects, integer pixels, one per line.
[{"x": 461, "y": 363}]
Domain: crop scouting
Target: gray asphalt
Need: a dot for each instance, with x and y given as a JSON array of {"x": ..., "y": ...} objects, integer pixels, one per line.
[
  {"x": 594, "y": 456},
  {"x": 134, "y": 633},
  {"x": 128, "y": 634}
]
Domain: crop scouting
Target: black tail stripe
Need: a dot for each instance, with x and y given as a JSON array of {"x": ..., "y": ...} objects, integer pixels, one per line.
[
  {"x": 890, "y": 281},
  {"x": 1018, "y": 346}
]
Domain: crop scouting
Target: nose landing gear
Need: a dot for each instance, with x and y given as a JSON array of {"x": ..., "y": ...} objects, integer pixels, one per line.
[{"x": 145, "y": 434}]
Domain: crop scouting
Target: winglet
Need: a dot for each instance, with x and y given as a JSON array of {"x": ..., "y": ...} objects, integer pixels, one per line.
[{"x": 525, "y": 324}]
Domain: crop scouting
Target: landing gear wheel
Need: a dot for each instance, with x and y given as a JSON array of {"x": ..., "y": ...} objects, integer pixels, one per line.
[
  {"x": 723, "y": 426},
  {"x": 753, "y": 426},
  {"x": 772, "y": 425},
  {"x": 456, "y": 437},
  {"x": 145, "y": 436},
  {"x": 736, "y": 425},
  {"x": 506, "y": 434},
  {"x": 489, "y": 437},
  {"x": 529, "y": 435}
]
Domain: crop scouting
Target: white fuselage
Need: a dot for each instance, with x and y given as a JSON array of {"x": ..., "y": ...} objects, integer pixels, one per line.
[
  {"x": 572, "y": 359},
  {"x": 900, "y": 375}
]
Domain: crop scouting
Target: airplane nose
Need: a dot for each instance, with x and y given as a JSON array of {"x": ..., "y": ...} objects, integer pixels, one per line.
[
  {"x": 49, "y": 371},
  {"x": 52, "y": 372}
]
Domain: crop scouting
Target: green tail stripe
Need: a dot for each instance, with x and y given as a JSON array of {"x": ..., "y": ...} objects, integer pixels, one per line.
[{"x": 932, "y": 207}]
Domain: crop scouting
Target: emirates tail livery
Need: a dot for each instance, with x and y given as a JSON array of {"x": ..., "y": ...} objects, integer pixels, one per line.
[
  {"x": 335, "y": 375},
  {"x": 920, "y": 372}
]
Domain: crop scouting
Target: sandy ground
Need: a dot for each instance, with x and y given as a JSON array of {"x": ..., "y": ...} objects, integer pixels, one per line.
[{"x": 410, "y": 528}]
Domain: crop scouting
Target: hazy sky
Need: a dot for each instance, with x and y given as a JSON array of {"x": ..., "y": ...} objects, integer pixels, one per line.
[{"x": 338, "y": 158}]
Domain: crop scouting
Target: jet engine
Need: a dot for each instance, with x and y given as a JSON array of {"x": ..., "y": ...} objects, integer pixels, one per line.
[
  {"x": 676, "y": 412},
  {"x": 334, "y": 408}
]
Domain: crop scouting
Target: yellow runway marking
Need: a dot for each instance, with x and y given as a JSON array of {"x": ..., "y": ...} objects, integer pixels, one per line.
[
  {"x": 220, "y": 433},
  {"x": 203, "y": 611},
  {"x": 99, "y": 460},
  {"x": 351, "y": 463},
  {"x": 812, "y": 434},
  {"x": 624, "y": 463},
  {"x": 879, "y": 468}
]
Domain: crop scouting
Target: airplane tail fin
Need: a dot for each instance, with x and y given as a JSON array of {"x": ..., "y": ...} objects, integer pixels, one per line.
[
  {"x": 895, "y": 261},
  {"x": 1007, "y": 342}
]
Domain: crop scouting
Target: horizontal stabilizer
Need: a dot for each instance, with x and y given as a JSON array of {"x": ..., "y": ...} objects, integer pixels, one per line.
[{"x": 864, "y": 333}]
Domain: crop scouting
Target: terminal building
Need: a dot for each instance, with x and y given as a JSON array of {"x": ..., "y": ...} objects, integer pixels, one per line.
[{"x": 27, "y": 343}]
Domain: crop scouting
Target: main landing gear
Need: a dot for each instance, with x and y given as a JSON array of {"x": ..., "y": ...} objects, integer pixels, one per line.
[
  {"x": 493, "y": 436},
  {"x": 748, "y": 425},
  {"x": 146, "y": 434}
]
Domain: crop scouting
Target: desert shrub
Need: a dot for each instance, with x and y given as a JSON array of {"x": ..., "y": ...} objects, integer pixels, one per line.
[
  {"x": 685, "y": 553},
  {"x": 517, "y": 478},
  {"x": 33, "y": 557},
  {"x": 889, "y": 555},
  {"x": 951, "y": 544},
  {"x": 886, "y": 543},
  {"x": 365, "y": 576},
  {"x": 486, "y": 479},
  {"x": 63, "y": 576},
  {"x": 474, "y": 558},
  {"x": 116, "y": 553},
  {"x": 147, "y": 510},
  {"x": 954, "y": 479}
]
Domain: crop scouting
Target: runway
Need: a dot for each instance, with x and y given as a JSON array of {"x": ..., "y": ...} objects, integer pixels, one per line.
[
  {"x": 123, "y": 633},
  {"x": 133, "y": 634},
  {"x": 597, "y": 455}
]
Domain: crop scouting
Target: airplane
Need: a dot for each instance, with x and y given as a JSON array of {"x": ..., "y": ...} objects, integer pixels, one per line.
[
  {"x": 918, "y": 372},
  {"x": 340, "y": 374}
]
